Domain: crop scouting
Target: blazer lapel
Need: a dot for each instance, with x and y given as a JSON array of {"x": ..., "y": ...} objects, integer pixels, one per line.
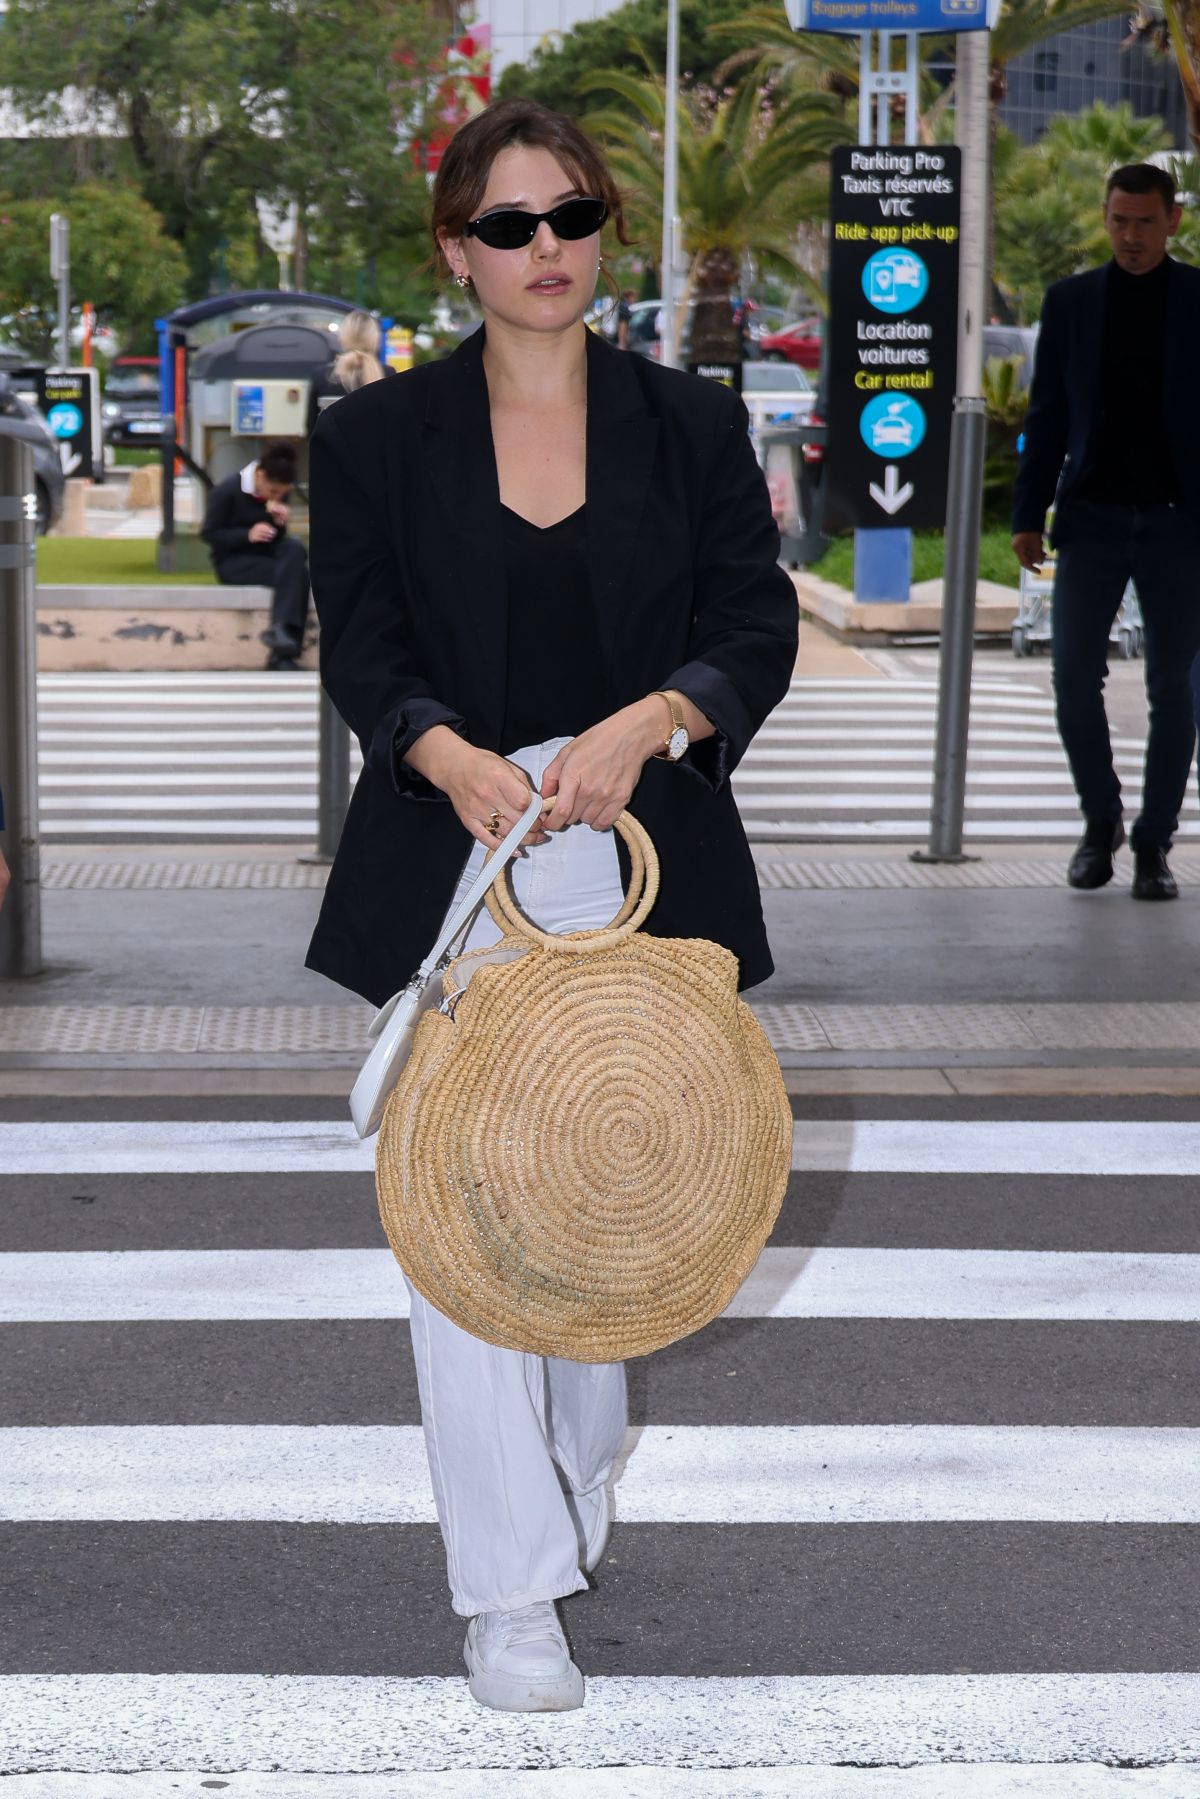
[
  {"x": 622, "y": 437},
  {"x": 461, "y": 465}
]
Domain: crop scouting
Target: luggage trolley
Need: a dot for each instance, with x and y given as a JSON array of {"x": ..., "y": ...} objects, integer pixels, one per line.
[{"x": 1031, "y": 627}]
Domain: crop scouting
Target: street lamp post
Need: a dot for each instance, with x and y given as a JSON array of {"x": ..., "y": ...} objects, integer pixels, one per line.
[
  {"x": 968, "y": 442},
  {"x": 670, "y": 209}
]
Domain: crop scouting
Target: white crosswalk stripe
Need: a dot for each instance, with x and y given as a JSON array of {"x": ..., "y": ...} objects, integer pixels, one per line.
[
  {"x": 861, "y": 1146},
  {"x": 217, "y": 1483},
  {"x": 671, "y": 1474},
  {"x": 87, "y": 1286},
  {"x": 794, "y": 1722},
  {"x": 176, "y": 756}
]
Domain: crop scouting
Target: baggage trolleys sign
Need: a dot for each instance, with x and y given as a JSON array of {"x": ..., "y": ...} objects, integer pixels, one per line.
[
  {"x": 852, "y": 17},
  {"x": 893, "y": 334}
]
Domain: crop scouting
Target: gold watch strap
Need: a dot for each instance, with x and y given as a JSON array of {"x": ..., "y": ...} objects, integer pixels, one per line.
[{"x": 678, "y": 722}]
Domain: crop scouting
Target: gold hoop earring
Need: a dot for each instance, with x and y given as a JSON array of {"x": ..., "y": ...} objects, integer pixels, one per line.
[{"x": 462, "y": 281}]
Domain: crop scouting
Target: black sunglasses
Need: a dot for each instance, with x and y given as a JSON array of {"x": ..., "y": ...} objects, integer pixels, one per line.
[{"x": 512, "y": 229}]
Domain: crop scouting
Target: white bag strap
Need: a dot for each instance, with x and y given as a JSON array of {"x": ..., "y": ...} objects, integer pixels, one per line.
[
  {"x": 473, "y": 898},
  {"x": 464, "y": 912}
]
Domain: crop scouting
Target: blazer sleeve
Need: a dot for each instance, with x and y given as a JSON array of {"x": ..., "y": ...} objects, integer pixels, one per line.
[
  {"x": 218, "y": 531},
  {"x": 1046, "y": 423},
  {"x": 367, "y": 665},
  {"x": 745, "y": 623}
]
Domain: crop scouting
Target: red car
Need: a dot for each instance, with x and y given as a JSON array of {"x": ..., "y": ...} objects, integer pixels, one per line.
[{"x": 799, "y": 342}]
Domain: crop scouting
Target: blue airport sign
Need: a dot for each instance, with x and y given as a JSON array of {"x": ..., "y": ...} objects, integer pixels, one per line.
[{"x": 853, "y": 17}]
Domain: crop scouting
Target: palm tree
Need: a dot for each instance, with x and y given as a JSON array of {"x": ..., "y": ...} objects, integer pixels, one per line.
[
  {"x": 1175, "y": 24},
  {"x": 752, "y": 169},
  {"x": 810, "y": 58}
]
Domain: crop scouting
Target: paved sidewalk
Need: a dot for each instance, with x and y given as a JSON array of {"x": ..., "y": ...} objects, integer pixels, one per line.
[{"x": 170, "y": 963}]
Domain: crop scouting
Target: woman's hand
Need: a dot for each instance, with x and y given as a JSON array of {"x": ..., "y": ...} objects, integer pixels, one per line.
[
  {"x": 263, "y": 532},
  {"x": 477, "y": 783},
  {"x": 592, "y": 778}
]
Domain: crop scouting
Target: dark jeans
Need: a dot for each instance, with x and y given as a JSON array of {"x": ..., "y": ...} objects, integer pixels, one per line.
[
  {"x": 1158, "y": 548},
  {"x": 285, "y": 572}
]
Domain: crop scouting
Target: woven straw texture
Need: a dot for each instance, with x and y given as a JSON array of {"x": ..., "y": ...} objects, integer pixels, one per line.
[{"x": 587, "y": 1158}]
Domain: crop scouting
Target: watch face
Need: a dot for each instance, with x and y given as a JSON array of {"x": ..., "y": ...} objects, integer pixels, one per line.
[{"x": 677, "y": 743}]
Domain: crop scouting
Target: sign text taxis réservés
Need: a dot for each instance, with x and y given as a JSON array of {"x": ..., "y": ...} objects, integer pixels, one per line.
[{"x": 893, "y": 333}]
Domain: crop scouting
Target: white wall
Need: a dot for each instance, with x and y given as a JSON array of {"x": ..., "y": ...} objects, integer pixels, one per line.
[{"x": 518, "y": 26}]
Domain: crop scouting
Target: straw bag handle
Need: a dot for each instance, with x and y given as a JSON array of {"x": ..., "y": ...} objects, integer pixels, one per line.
[
  {"x": 506, "y": 911},
  {"x": 632, "y": 915}
]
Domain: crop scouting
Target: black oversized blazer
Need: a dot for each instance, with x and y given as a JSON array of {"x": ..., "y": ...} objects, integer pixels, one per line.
[{"x": 408, "y": 578}]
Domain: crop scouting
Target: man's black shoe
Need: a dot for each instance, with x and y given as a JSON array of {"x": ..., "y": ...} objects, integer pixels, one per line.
[
  {"x": 277, "y": 660},
  {"x": 1092, "y": 863},
  {"x": 1152, "y": 879},
  {"x": 286, "y": 642}
]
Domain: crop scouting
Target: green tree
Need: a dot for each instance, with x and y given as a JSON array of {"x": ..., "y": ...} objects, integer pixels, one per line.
[
  {"x": 121, "y": 261},
  {"x": 219, "y": 104},
  {"x": 623, "y": 39},
  {"x": 807, "y": 57},
  {"x": 1182, "y": 19},
  {"x": 1049, "y": 199},
  {"x": 752, "y": 168}
]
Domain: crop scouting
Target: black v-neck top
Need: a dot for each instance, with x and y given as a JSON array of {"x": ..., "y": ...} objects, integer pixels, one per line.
[{"x": 556, "y": 684}]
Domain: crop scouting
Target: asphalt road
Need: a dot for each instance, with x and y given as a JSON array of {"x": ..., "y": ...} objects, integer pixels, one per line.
[{"x": 194, "y": 1496}]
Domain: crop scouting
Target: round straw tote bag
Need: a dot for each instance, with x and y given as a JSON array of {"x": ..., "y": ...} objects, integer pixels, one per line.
[{"x": 590, "y": 1142}]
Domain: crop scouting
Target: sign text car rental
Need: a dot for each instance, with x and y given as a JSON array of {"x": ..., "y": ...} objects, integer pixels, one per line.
[{"x": 893, "y": 333}]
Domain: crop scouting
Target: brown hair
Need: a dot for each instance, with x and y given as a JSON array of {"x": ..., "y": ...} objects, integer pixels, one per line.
[
  {"x": 462, "y": 176},
  {"x": 1142, "y": 178}
]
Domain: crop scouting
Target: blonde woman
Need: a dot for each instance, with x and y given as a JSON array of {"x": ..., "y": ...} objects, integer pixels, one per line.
[{"x": 356, "y": 364}]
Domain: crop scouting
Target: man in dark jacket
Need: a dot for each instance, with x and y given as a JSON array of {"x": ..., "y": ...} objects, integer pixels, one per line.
[
  {"x": 245, "y": 527},
  {"x": 1112, "y": 430}
]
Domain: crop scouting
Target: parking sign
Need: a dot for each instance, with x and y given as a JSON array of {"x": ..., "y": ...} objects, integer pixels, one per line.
[{"x": 893, "y": 334}]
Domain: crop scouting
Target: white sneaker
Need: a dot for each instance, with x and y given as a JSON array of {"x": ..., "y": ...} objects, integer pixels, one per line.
[
  {"x": 518, "y": 1661},
  {"x": 595, "y": 1511}
]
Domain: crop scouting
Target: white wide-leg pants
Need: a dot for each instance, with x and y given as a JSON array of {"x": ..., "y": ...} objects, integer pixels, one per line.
[{"x": 511, "y": 1437}]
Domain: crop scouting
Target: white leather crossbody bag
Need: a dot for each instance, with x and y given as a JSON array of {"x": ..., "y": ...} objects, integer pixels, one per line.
[{"x": 393, "y": 1026}]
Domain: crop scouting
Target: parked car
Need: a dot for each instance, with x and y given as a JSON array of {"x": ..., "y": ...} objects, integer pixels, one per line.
[
  {"x": 132, "y": 406},
  {"x": 776, "y": 393},
  {"x": 798, "y": 343},
  {"x": 644, "y": 327},
  {"x": 1003, "y": 341},
  {"x": 19, "y": 419}
]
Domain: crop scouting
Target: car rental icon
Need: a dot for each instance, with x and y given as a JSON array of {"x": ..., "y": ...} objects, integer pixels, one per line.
[{"x": 893, "y": 428}]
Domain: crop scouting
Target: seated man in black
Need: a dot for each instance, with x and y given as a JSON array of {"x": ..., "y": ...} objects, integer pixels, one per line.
[{"x": 245, "y": 527}]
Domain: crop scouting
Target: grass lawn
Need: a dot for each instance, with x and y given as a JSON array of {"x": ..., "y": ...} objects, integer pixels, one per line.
[
  {"x": 996, "y": 560},
  {"x": 121, "y": 561},
  {"x": 133, "y": 458}
]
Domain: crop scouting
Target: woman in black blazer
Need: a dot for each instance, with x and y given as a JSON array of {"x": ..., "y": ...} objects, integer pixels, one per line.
[{"x": 542, "y": 560}]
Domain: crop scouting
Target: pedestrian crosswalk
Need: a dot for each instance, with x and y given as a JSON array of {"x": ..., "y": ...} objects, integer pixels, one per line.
[
  {"x": 918, "y": 1516},
  {"x": 202, "y": 756}
]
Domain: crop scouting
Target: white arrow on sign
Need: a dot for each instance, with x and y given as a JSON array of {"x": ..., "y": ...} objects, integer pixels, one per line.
[
  {"x": 71, "y": 459},
  {"x": 891, "y": 496}
]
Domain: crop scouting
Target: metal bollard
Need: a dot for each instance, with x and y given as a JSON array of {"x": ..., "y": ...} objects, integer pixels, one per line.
[
  {"x": 333, "y": 779},
  {"x": 21, "y": 913}
]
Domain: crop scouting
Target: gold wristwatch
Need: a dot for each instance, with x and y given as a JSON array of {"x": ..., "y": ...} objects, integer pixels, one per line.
[{"x": 676, "y": 744}]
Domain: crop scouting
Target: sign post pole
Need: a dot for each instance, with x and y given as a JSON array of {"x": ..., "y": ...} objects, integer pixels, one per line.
[
  {"x": 669, "y": 340},
  {"x": 968, "y": 434},
  {"x": 60, "y": 271},
  {"x": 21, "y": 914}
]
